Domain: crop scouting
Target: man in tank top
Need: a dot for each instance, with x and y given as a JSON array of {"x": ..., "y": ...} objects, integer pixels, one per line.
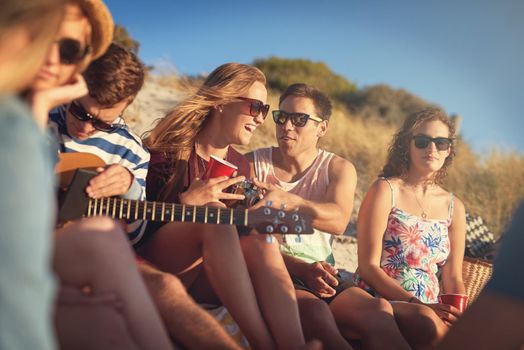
[{"x": 298, "y": 174}]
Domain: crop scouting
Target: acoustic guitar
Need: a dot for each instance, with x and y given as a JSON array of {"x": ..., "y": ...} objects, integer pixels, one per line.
[{"x": 76, "y": 169}]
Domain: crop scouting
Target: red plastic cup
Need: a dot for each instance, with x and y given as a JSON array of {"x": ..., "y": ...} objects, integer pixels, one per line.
[
  {"x": 460, "y": 301},
  {"x": 218, "y": 167}
]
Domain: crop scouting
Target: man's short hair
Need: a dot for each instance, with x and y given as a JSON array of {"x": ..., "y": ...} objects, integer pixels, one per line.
[
  {"x": 320, "y": 100},
  {"x": 115, "y": 76}
]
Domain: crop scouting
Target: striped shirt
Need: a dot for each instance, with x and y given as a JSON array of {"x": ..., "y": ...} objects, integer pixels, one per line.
[{"x": 120, "y": 147}]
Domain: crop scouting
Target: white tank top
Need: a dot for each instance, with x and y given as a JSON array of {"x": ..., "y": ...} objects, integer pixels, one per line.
[{"x": 312, "y": 186}]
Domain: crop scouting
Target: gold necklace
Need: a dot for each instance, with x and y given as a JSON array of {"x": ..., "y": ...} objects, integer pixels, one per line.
[{"x": 423, "y": 215}]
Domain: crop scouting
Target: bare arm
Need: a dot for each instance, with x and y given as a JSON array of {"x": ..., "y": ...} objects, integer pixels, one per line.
[
  {"x": 452, "y": 271},
  {"x": 331, "y": 215},
  {"x": 372, "y": 223}
]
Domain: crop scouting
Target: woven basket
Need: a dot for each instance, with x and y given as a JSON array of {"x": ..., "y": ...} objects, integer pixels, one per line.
[{"x": 476, "y": 273}]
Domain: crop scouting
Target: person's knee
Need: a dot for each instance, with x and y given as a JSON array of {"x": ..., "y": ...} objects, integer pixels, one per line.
[
  {"x": 375, "y": 316},
  {"x": 427, "y": 322},
  {"x": 163, "y": 284},
  {"x": 313, "y": 310},
  {"x": 375, "y": 308},
  {"x": 100, "y": 224},
  {"x": 381, "y": 305},
  {"x": 96, "y": 238},
  {"x": 256, "y": 249}
]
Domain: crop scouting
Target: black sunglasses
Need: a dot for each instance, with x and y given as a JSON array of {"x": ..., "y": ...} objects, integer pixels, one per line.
[
  {"x": 71, "y": 51},
  {"x": 423, "y": 141},
  {"x": 297, "y": 119},
  {"x": 256, "y": 107},
  {"x": 79, "y": 112}
]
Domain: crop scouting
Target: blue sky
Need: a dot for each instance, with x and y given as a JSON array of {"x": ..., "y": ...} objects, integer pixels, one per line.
[{"x": 465, "y": 55}]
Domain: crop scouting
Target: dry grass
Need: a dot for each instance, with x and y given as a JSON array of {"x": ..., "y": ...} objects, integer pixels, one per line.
[{"x": 492, "y": 187}]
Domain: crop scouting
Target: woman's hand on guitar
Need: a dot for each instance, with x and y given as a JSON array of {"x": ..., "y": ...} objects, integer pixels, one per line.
[
  {"x": 203, "y": 192},
  {"x": 114, "y": 180}
]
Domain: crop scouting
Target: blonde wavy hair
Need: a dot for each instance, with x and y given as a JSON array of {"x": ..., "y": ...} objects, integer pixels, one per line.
[
  {"x": 398, "y": 160},
  {"x": 175, "y": 134},
  {"x": 41, "y": 19}
]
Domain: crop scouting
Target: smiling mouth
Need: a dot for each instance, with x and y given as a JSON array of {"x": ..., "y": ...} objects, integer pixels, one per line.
[{"x": 250, "y": 128}]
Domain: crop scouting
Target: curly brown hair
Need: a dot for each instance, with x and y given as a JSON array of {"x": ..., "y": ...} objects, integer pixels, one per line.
[{"x": 397, "y": 164}]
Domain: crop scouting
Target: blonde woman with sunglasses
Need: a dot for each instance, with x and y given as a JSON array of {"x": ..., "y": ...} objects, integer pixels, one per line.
[
  {"x": 246, "y": 274},
  {"x": 409, "y": 227}
]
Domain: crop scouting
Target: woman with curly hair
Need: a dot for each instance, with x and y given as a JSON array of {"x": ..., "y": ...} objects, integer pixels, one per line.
[{"x": 409, "y": 226}]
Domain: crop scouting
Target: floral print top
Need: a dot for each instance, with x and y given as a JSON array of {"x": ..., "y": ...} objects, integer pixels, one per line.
[{"x": 413, "y": 250}]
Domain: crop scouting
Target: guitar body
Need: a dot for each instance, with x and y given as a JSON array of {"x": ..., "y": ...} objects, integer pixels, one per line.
[{"x": 68, "y": 163}]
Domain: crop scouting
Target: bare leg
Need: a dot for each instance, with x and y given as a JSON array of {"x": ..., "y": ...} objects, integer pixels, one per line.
[
  {"x": 95, "y": 253},
  {"x": 274, "y": 290},
  {"x": 177, "y": 248},
  {"x": 359, "y": 315},
  {"x": 420, "y": 324},
  {"x": 87, "y": 325},
  {"x": 318, "y": 321},
  {"x": 187, "y": 323}
]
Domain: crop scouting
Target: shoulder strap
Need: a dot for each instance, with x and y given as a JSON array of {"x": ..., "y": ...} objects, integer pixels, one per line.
[
  {"x": 451, "y": 206},
  {"x": 392, "y": 191}
]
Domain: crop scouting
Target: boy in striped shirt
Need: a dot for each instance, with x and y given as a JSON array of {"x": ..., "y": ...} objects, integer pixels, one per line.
[{"x": 94, "y": 124}]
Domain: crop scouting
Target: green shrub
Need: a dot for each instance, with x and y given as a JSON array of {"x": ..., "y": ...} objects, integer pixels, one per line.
[{"x": 281, "y": 73}]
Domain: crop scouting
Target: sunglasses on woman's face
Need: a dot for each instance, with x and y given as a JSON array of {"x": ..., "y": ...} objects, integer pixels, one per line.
[
  {"x": 79, "y": 112},
  {"x": 71, "y": 51},
  {"x": 297, "y": 119},
  {"x": 423, "y": 141},
  {"x": 256, "y": 107}
]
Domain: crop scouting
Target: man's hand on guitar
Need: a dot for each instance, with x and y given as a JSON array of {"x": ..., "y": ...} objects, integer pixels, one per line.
[
  {"x": 114, "y": 180},
  {"x": 277, "y": 197}
]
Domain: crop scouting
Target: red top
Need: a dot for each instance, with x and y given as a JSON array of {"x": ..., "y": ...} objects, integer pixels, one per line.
[{"x": 159, "y": 173}]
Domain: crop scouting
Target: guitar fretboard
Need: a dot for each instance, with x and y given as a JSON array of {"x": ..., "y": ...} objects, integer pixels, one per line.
[{"x": 119, "y": 208}]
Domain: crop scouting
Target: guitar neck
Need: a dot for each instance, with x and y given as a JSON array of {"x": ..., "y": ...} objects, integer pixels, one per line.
[{"x": 119, "y": 208}]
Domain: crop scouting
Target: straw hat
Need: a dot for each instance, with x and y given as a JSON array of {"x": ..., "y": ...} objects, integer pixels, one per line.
[{"x": 101, "y": 22}]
